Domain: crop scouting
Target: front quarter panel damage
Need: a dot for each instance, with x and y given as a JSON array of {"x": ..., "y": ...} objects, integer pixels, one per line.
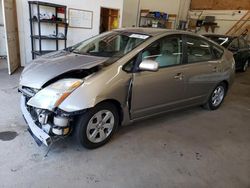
[{"x": 111, "y": 83}]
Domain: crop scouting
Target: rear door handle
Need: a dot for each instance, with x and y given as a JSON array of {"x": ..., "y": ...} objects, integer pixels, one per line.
[
  {"x": 179, "y": 76},
  {"x": 214, "y": 69}
]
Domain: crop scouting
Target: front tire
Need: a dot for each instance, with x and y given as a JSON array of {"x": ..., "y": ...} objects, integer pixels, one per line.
[
  {"x": 217, "y": 97},
  {"x": 97, "y": 125},
  {"x": 245, "y": 66}
]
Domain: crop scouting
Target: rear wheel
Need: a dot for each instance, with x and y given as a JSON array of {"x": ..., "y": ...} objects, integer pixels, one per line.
[
  {"x": 245, "y": 66},
  {"x": 97, "y": 125},
  {"x": 217, "y": 97}
]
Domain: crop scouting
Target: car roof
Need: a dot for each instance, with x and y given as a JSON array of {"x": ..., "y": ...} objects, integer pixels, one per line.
[
  {"x": 151, "y": 31},
  {"x": 218, "y": 36}
]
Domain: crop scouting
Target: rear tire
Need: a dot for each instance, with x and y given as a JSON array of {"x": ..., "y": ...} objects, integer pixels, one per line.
[
  {"x": 217, "y": 97},
  {"x": 245, "y": 66},
  {"x": 97, "y": 125}
]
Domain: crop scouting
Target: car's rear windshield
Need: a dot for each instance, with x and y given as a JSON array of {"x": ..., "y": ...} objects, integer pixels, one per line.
[
  {"x": 112, "y": 44},
  {"x": 223, "y": 41}
]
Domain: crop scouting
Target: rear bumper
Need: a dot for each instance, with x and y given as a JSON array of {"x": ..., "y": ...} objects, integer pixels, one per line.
[{"x": 33, "y": 128}]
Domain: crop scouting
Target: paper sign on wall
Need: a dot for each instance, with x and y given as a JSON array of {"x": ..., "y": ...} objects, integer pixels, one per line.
[{"x": 80, "y": 18}]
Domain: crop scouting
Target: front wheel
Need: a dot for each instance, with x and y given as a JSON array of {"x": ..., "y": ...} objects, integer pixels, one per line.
[
  {"x": 97, "y": 125},
  {"x": 217, "y": 97}
]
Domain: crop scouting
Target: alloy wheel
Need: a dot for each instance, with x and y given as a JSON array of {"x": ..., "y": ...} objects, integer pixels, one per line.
[
  {"x": 218, "y": 96},
  {"x": 100, "y": 126}
]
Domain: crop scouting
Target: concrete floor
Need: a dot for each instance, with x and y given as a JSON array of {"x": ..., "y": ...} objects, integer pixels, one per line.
[{"x": 191, "y": 148}]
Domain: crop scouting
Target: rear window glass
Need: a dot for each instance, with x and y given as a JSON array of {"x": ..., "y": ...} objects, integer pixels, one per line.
[
  {"x": 198, "y": 50},
  {"x": 223, "y": 41}
]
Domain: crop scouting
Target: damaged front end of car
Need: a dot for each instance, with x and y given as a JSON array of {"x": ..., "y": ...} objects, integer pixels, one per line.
[
  {"x": 46, "y": 83},
  {"x": 40, "y": 108}
]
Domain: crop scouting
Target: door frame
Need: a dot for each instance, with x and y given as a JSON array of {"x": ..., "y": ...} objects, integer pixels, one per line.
[
  {"x": 4, "y": 32},
  {"x": 119, "y": 15},
  {"x": 5, "y": 20}
]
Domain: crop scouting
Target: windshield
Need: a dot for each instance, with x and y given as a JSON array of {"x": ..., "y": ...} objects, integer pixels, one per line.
[
  {"x": 223, "y": 41},
  {"x": 112, "y": 44}
]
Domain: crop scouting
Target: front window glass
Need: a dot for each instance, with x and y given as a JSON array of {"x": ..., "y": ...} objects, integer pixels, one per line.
[
  {"x": 112, "y": 44},
  {"x": 198, "y": 50},
  {"x": 166, "y": 51},
  {"x": 130, "y": 65}
]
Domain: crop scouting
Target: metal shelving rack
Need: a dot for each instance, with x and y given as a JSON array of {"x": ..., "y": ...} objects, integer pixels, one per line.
[
  {"x": 40, "y": 22},
  {"x": 147, "y": 18}
]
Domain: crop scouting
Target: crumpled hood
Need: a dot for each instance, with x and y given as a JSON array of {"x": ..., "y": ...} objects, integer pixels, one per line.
[{"x": 49, "y": 66}]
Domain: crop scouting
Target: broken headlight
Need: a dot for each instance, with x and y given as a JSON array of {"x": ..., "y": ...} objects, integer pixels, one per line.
[{"x": 53, "y": 95}]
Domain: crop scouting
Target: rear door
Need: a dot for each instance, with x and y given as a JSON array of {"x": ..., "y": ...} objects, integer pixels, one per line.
[
  {"x": 201, "y": 70},
  {"x": 156, "y": 92},
  {"x": 11, "y": 34}
]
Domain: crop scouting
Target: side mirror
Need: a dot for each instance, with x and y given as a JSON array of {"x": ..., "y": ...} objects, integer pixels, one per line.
[{"x": 149, "y": 65}]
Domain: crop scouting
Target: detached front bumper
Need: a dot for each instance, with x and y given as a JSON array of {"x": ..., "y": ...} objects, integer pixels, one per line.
[{"x": 35, "y": 131}]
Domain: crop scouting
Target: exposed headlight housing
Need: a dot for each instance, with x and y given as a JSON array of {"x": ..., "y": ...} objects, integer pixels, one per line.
[{"x": 53, "y": 95}]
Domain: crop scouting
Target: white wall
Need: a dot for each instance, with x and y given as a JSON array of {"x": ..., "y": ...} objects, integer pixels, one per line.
[
  {"x": 183, "y": 10},
  {"x": 74, "y": 35},
  {"x": 130, "y": 14},
  {"x": 168, "y": 6},
  {"x": 225, "y": 18}
]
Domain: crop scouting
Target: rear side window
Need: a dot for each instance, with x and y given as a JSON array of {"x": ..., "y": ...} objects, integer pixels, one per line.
[
  {"x": 217, "y": 52},
  {"x": 198, "y": 50}
]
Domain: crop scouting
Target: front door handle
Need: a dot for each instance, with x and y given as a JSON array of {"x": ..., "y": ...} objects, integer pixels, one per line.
[{"x": 179, "y": 76}]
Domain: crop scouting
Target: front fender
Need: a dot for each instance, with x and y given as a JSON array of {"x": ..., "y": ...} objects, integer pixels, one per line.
[{"x": 111, "y": 83}]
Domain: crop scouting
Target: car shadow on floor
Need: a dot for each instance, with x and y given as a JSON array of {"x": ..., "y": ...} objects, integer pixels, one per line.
[
  {"x": 69, "y": 143},
  {"x": 160, "y": 119}
]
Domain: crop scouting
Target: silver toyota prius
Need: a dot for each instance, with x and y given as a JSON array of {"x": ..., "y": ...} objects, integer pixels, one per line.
[{"x": 119, "y": 77}]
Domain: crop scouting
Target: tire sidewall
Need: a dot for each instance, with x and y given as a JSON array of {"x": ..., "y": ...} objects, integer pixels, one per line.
[{"x": 82, "y": 123}]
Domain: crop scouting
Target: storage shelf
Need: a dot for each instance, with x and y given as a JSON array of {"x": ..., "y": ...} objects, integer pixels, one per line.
[
  {"x": 50, "y": 21},
  {"x": 46, "y": 4},
  {"x": 153, "y": 18},
  {"x": 44, "y": 37},
  {"x": 42, "y": 52},
  {"x": 37, "y": 39}
]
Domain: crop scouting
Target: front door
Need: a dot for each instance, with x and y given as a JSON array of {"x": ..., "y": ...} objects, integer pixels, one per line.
[
  {"x": 11, "y": 33},
  {"x": 156, "y": 92}
]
